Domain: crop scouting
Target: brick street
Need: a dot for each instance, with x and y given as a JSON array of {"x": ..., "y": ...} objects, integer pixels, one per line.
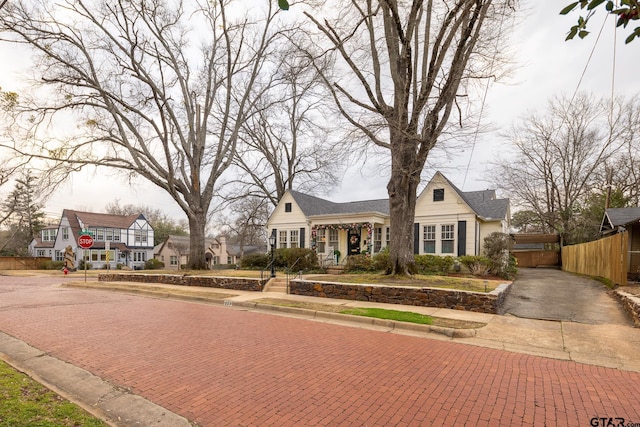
[{"x": 220, "y": 366}]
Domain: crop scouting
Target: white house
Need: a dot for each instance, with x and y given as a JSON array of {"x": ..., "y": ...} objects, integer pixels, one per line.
[
  {"x": 120, "y": 239},
  {"x": 448, "y": 221}
]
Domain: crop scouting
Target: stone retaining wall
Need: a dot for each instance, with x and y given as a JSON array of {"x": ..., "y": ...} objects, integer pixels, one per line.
[
  {"x": 631, "y": 303},
  {"x": 427, "y": 297},
  {"x": 235, "y": 283}
]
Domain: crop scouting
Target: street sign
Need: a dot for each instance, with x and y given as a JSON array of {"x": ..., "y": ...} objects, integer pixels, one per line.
[{"x": 85, "y": 241}]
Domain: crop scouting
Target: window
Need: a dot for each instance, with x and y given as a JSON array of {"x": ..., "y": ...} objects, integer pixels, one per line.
[
  {"x": 377, "y": 239},
  {"x": 333, "y": 239},
  {"x": 174, "y": 260},
  {"x": 388, "y": 236},
  {"x": 108, "y": 234},
  {"x": 140, "y": 236},
  {"x": 65, "y": 233},
  {"x": 116, "y": 235},
  {"x": 287, "y": 207},
  {"x": 448, "y": 234},
  {"x": 429, "y": 239},
  {"x": 95, "y": 255},
  {"x": 294, "y": 239},
  {"x": 59, "y": 256},
  {"x": 139, "y": 256},
  {"x": 283, "y": 239},
  {"x": 321, "y": 236},
  {"x": 41, "y": 252},
  {"x": 438, "y": 194},
  {"x": 216, "y": 260},
  {"x": 100, "y": 234},
  {"x": 229, "y": 259}
]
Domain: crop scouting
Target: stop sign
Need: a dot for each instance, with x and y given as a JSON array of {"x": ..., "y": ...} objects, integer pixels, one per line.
[{"x": 85, "y": 241}]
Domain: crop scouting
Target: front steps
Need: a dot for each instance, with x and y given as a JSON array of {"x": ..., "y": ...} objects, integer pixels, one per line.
[{"x": 276, "y": 284}]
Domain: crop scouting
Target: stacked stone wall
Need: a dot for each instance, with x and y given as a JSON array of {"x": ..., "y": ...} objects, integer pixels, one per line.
[
  {"x": 631, "y": 303},
  {"x": 235, "y": 283},
  {"x": 489, "y": 302}
]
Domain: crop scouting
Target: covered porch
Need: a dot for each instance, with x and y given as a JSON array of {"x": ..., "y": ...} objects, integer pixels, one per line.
[{"x": 334, "y": 242}]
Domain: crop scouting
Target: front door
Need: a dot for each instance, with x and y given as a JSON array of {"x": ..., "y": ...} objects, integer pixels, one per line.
[{"x": 354, "y": 242}]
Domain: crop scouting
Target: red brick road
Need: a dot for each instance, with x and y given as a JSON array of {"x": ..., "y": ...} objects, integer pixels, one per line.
[{"x": 218, "y": 366}]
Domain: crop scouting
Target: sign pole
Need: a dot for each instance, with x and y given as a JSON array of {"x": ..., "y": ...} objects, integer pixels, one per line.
[{"x": 85, "y": 266}]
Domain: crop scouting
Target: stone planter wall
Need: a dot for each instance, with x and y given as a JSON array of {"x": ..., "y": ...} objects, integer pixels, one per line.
[
  {"x": 235, "y": 283},
  {"x": 426, "y": 297},
  {"x": 631, "y": 303}
]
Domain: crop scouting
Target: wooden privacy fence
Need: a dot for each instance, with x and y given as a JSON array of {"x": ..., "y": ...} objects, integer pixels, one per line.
[
  {"x": 22, "y": 263},
  {"x": 604, "y": 258}
]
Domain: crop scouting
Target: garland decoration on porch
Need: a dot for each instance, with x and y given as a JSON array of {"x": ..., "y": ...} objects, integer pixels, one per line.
[{"x": 345, "y": 227}]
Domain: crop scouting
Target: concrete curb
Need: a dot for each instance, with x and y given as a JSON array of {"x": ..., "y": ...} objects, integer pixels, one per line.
[{"x": 112, "y": 404}]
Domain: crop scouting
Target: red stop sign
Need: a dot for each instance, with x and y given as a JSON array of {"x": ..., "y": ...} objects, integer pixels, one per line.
[{"x": 85, "y": 241}]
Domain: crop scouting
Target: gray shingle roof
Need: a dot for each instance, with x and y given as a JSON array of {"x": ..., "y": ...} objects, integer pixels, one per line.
[
  {"x": 623, "y": 216},
  {"x": 483, "y": 202},
  {"x": 312, "y": 205}
]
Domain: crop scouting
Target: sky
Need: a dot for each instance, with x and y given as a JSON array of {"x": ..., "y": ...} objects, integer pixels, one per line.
[{"x": 544, "y": 66}]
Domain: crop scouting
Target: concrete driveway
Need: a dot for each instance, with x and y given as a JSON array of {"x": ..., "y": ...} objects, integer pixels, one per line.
[{"x": 549, "y": 294}]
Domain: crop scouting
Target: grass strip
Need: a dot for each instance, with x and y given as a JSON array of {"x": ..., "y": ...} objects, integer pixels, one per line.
[
  {"x": 25, "y": 402},
  {"x": 400, "y": 316}
]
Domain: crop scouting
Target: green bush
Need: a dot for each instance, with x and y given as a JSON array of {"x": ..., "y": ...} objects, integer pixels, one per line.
[
  {"x": 296, "y": 258},
  {"x": 81, "y": 265},
  {"x": 358, "y": 263},
  {"x": 477, "y": 265},
  {"x": 153, "y": 264},
  {"x": 497, "y": 247},
  {"x": 119, "y": 266},
  {"x": 433, "y": 264},
  {"x": 380, "y": 261},
  {"x": 255, "y": 261}
]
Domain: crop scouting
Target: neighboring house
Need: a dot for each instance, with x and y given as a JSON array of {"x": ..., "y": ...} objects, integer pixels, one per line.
[
  {"x": 42, "y": 246},
  {"x": 174, "y": 252},
  {"x": 625, "y": 219},
  {"x": 448, "y": 221},
  {"x": 120, "y": 239}
]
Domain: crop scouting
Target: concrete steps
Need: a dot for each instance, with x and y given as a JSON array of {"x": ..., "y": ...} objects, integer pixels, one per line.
[{"x": 276, "y": 284}]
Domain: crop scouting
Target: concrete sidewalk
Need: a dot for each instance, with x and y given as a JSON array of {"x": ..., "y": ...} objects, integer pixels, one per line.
[{"x": 608, "y": 345}]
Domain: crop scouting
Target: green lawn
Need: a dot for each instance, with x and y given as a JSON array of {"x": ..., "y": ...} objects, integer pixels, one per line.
[
  {"x": 25, "y": 402},
  {"x": 400, "y": 316}
]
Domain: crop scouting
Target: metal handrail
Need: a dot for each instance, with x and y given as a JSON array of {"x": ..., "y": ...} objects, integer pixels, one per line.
[
  {"x": 268, "y": 267},
  {"x": 289, "y": 270}
]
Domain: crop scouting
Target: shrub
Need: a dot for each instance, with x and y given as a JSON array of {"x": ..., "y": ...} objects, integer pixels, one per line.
[
  {"x": 433, "y": 264},
  {"x": 255, "y": 261},
  {"x": 497, "y": 247},
  {"x": 119, "y": 266},
  {"x": 296, "y": 258},
  {"x": 380, "y": 261},
  {"x": 81, "y": 265},
  {"x": 359, "y": 263},
  {"x": 477, "y": 265},
  {"x": 153, "y": 264}
]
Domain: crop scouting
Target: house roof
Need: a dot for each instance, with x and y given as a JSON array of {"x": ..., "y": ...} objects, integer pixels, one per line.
[
  {"x": 92, "y": 219},
  {"x": 616, "y": 217},
  {"x": 312, "y": 206},
  {"x": 484, "y": 203}
]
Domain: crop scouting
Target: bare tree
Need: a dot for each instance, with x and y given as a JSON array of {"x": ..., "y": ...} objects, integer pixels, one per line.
[
  {"x": 290, "y": 141},
  {"x": 405, "y": 64},
  {"x": 560, "y": 159},
  {"x": 247, "y": 226},
  {"x": 161, "y": 88}
]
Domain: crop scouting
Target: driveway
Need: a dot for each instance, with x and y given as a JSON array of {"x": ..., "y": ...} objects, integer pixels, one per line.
[{"x": 550, "y": 294}]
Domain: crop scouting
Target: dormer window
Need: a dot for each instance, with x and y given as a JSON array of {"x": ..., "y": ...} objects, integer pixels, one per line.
[
  {"x": 287, "y": 207},
  {"x": 438, "y": 194}
]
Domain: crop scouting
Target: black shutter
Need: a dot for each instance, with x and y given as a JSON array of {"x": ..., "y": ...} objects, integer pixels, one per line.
[
  {"x": 302, "y": 237},
  {"x": 462, "y": 238},
  {"x": 416, "y": 238},
  {"x": 275, "y": 235}
]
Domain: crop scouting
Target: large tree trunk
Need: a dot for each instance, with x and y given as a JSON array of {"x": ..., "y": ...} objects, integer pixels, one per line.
[
  {"x": 197, "y": 222},
  {"x": 402, "y": 189}
]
